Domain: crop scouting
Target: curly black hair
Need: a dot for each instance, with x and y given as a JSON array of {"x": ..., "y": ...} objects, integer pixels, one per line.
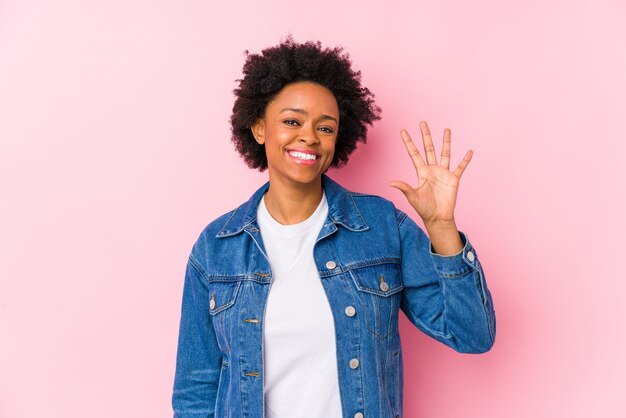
[{"x": 267, "y": 73}]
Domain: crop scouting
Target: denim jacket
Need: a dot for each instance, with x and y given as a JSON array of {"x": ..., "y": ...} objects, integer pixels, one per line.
[{"x": 373, "y": 260}]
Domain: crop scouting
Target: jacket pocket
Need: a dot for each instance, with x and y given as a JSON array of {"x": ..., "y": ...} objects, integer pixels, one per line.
[
  {"x": 380, "y": 288},
  {"x": 223, "y": 296}
]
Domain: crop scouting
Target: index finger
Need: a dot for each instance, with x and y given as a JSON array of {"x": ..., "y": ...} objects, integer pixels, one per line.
[{"x": 416, "y": 157}]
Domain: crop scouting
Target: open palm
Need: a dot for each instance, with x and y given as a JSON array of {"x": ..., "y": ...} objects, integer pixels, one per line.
[{"x": 434, "y": 197}]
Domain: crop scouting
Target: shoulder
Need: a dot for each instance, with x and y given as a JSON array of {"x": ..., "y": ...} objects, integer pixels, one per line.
[
  {"x": 207, "y": 239},
  {"x": 381, "y": 214},
  {"x": 373, "y": 201},
  {"x": 374, "y": 205},
  {"x": 213, "y": 227}
]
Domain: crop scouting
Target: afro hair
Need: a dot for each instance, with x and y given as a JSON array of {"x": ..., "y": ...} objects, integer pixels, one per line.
[{"x": 267, "y": 73}]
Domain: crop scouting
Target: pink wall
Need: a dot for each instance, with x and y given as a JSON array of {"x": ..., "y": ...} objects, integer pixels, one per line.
[{"x": 115, "y": 153}]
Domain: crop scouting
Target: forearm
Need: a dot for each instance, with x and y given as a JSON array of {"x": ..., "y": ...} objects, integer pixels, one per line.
[
  {"x": 446, "y": 296},
  {"x": 468, "y": 306}
]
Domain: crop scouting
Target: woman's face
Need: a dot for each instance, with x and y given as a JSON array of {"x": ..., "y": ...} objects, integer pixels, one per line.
[{"x": 299, "y": 130}]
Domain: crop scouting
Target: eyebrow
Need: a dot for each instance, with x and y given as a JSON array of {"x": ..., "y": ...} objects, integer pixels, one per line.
[{"x": 304, "y": 112}]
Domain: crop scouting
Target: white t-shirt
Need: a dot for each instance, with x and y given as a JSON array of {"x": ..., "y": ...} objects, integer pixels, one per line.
[{"x": 300, "y": 361}]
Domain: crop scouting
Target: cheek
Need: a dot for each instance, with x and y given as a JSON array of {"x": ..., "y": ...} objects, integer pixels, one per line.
[
  {"x": 330, "y": 150},
  {"x": 332, "y": 146},
  {"x": 281, "y": 138},
  {"x": 275, "y": 138}
]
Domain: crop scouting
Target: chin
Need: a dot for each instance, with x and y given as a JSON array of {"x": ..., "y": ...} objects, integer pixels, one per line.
[
  {"x": 304, "y": 178},
  {"x": 307, "y": 179}
]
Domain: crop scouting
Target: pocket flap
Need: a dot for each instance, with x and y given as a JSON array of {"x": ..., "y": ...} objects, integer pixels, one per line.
[
  {"x": 380, "y": 279},
  {"x": 223, "y": 295}
]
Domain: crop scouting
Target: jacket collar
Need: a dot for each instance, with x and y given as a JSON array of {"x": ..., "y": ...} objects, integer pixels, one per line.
[{"x": 342, "y": 209}]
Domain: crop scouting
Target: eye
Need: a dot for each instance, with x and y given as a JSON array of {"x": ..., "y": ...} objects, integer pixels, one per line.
[
  {"x": 327, "y": 129},
  {"x": 291, "y": 122}
]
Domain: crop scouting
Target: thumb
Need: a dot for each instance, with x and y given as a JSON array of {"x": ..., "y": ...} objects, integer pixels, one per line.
[{"x": 402, "y": 186}]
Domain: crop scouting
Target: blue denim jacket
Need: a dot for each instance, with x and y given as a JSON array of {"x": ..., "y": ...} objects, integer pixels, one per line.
[{"x": 372, "y": 258}]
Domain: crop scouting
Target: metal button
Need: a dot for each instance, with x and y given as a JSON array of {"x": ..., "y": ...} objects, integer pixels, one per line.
[
  {"x": 212, "y": 304},
  {"x": 384, "y": 286},
  {"x": 331, "y": 265},
  {"x": 354, "y": 363},
  {"x": 358, "y": 415},
  {"x": 470, "y": 256},
  {"x": 350, "y": 311}
]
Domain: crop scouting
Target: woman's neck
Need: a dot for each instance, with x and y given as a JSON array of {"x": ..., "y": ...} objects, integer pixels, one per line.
[{"x": 292, "y": 203}]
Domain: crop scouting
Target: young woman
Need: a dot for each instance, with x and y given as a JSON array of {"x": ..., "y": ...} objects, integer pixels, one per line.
[{"x": 291, "y": 300}]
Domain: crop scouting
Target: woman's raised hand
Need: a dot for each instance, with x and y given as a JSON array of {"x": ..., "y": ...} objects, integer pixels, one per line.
[{"x": 434, "y": 197}]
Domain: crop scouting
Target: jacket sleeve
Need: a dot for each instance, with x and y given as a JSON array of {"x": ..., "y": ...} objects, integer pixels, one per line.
[
  {"x": 446, "y": 297},
  {"x": 198, "y": 359}
]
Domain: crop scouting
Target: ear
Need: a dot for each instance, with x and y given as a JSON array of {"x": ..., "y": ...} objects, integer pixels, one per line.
[{"x": 258, "y": 130}]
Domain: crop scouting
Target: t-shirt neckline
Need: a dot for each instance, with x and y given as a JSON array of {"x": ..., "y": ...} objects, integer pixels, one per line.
[{"x": 292, "y": 229}]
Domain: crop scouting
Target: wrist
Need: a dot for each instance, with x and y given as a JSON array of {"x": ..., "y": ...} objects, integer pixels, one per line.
[
  {"x": 440, "y": 224},
  {"x": 444, "y": 237}
]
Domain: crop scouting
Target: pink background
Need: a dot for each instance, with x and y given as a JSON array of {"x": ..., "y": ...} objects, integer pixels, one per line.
[{"x": 115, "y": 153}]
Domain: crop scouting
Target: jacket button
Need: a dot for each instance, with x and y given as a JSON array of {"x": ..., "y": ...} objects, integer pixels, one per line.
[
  {"x": 358, "y": 415},
  {"x": 470, "y": 256},
  {"x": 212, "y": 304},
  {"x": 384, "y": 286},
  {"x": 331, "y": 265},
  {"x": 350, "y": 311},
  {"x": 354, "y": 363}
]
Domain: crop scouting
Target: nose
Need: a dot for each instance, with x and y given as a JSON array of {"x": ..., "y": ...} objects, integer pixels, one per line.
[{"x": 308, "y": 134}]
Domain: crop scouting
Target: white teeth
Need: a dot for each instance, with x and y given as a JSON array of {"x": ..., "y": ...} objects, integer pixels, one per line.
[{"x": 302, "y": 155}]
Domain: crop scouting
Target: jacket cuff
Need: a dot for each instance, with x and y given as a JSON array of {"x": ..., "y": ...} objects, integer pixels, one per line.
[{"x": 457, "y": 264}]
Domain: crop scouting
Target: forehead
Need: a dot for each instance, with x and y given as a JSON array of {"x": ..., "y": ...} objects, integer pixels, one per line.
[{"x": 305, "y": 95}]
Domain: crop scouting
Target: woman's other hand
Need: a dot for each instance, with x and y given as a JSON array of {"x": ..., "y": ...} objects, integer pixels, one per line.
[{"x": 434, "y": 197}]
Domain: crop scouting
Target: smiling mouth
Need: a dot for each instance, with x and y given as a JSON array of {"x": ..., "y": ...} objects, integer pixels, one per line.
[{"x": 303, "y": 156}]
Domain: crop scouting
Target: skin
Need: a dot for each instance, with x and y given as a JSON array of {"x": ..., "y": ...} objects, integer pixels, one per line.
[{"x": 296, "y": 189}]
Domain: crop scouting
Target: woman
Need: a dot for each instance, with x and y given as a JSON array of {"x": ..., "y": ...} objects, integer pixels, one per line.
[{"x": 290, "y": 301}]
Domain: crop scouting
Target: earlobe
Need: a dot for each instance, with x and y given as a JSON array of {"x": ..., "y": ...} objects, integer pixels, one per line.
[{"x": 258, "y": 131}]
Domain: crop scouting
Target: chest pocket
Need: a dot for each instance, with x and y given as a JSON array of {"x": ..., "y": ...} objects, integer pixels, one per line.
[
  {"x": 379, "y": 289},
  {"x": 223, "y": 295}
]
